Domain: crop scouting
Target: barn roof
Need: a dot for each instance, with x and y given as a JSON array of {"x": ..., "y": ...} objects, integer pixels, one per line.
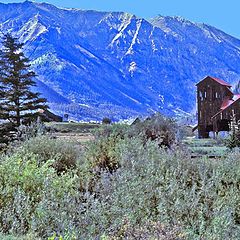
[
  {"x": 227, "y": 103},
  {"x": 220, "y": 81}
]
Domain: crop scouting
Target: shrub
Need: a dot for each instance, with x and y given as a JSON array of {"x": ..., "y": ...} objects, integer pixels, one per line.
[
  {"x": 149, "y": 230},
  {"x": 7, "y": 134},
  {"x": 25, "y": 237},
  {"x": 35, "y": 129},
  {"x": 157, "y": 128},
  {"x": 63, "y": 155},
  {"x": 116, "y": 130},
  {"x": 184, "y": 131},
  {"x": 11, "y": 136},
  {"x": 22, "y": 182},
  {"x": 233, "y": 140},
  {"x": 101, "y": 152},
  {"x": 106, "y": 121}
]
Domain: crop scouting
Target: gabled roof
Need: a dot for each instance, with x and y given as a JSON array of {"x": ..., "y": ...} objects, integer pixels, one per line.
[
  {"x": 223, "y": 83},
  {"x": 227, "y": 103}
]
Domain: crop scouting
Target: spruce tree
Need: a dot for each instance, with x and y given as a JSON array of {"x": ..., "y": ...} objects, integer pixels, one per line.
[{"x": 18, "y": 103}]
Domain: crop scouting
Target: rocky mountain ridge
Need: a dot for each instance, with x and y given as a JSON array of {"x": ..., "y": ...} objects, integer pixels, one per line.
[{"x": 95, "y": 64}]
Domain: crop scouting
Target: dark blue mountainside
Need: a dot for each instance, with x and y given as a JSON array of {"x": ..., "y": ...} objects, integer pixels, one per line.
[{"x": 95, "y": 64}]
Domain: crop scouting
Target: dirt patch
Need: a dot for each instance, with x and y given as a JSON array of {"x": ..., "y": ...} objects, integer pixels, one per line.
[{"x": 74, "y": 137}]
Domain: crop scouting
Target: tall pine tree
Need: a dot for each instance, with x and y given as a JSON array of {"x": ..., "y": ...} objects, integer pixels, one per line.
[{"x": 18, "y": 103}]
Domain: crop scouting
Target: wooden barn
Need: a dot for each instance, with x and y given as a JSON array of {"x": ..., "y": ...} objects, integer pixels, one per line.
[{"x": 216, "y": 106}]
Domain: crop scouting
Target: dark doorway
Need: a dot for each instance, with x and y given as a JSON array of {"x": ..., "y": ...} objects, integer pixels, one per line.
[{"x": 223, "y": 125}]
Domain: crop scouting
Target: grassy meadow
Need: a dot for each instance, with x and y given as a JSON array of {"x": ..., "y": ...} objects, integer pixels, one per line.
[{"x": 89, "y": 181}]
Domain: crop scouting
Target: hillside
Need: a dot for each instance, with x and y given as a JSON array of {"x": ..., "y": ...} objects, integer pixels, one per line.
[{"x": 95, "y": 64}]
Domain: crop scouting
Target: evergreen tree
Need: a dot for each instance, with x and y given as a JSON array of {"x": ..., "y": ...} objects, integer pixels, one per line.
[{"x": 18, "y": 103}]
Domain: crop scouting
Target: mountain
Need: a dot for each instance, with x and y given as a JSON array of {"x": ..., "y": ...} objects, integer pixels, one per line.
[{"x": 114, "y": 64}]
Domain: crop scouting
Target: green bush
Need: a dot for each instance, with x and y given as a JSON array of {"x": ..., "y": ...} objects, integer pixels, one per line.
[
  {"x": 24, "y": 185},
  {"x": 106, "y": 120},
  {"x": 233, "y": 140},
  {"x": 63, "y": 155},
  {"x": 156, "y": 128},
  {"x": 11, "y": 136},
  {"x": 116, "y": 130},
  {"x": 150, "y": 230},
  {"x": 7, "y": 134},
  {"x": 101, "y": 152},
  {"x": 26, "y": 237}
]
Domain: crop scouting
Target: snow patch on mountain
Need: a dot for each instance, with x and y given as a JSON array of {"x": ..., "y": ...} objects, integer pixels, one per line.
[
  {"x": 151, "y": 37},
  {"x": 31, "y": 30},
  {"x": 126, "y": 21},
  {"x": 85, "y": 51},
  {"x": 132, "y": 68},
  {"x": 160, "y": 22},
  {"x": 132, "y": 99},
  {"x": 135, "y": 37}
]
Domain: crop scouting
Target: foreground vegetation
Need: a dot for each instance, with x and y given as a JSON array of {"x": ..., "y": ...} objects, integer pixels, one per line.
[{"x": 128, "y": 183}]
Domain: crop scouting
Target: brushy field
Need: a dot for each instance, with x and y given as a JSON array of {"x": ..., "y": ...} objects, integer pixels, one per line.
[
  {"x": 121, "y": 185},
  {"x": 207, "y": 147},
  {"x": 63, "y": 127},
  {"x": 77, "y": 133}
]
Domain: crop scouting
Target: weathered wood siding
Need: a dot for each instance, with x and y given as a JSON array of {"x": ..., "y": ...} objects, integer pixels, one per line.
[{"x": 210, "y": 96}]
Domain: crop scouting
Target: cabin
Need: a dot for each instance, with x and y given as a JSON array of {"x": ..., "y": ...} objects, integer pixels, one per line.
[
  {"x": 216, "y": 105},
  {"x": 47, "y": 116}
]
